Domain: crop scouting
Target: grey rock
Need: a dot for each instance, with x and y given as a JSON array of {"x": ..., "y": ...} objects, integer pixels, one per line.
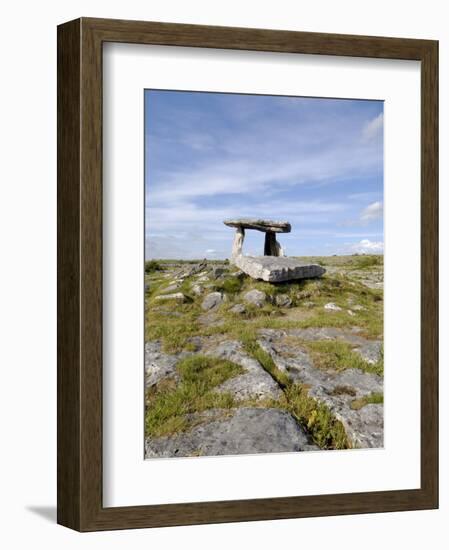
[
  {"x": 170, "y": 288},
  {"x": 177, "y": 296},
  {"x": 211, "y": 301},
  {"x": 159, "y": 365},
  {"x": 239, "y": 431},
  {"x": 358, "y": 307},
  {"x": 217, "y": 272},
  {"x": 260, "y": 225},
  {"x": 197, "y": 289},
  {"x": 316, "y": 333},
  {"x": 332, "y": 307},
  {"x": 283, "y": 300},
  {"x": 275, "y": 269},
  {"x": 255, "y": 382},
  {"x": 238, "y": 308},
  {"x": 296, "y": 365},
  {"x": 255, "y": 297},
  {"x": 364, "y": 427},
  {"x": 371, "y": 351}
]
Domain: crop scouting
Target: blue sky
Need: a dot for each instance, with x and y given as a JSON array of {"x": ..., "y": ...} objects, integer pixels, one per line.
[{"x": 317, "y": 163}]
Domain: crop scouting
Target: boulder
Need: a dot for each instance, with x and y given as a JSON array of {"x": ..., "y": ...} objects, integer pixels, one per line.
[
  {"x": 197, "y": 289},
  {"x": 238, "y": 308},
  {"x": 212, "y": 301},
  {"x": 283, "y": 300},
  {"x": 255, "y": 297}
]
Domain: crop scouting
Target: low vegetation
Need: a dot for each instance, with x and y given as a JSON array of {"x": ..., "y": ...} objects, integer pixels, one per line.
[
  {"x": 170, "y": 403},
  {"x": 350, "y": 284},
  {"x": 375, "y": 398},
  {"x": 338, "y": 356}
]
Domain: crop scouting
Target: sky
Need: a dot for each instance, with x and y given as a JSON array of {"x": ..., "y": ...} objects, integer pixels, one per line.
[{"x": 314, "y": 162}]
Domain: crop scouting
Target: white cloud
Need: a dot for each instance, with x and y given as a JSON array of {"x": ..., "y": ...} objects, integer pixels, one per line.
[
  {"x": 372, "y": 212},
  {"x": 365, "y": 246},
  {"x": 373, "y": 128}
]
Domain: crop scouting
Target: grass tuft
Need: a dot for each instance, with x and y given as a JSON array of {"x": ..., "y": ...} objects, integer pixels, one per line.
[
  {"x": 337, "y": 355},
  {"x": 169, "y": 404},
  {"x": 326, "y": 431},
  {"x": 375, "y": 398}
]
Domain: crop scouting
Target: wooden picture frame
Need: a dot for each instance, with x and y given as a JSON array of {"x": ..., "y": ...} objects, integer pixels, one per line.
[{"x": 80, "y": 504}]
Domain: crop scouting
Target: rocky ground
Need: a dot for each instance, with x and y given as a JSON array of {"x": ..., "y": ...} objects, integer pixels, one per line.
[{"x": 236, "y": 366}]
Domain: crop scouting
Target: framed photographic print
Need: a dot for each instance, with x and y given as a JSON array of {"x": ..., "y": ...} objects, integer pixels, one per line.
[{"x": 247, "y": 274}]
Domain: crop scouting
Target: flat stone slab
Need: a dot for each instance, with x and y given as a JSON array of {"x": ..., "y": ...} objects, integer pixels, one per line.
[
  {"x": 275, "y": 269},
  {"x": 260, "y": 225},
  {"x": 254, "y": 382},
  {"x": 239, "y": 431}
]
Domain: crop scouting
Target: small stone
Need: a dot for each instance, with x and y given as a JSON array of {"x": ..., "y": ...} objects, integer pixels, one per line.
[
  {"x": 217, "y": 272},
  {"x": 255, "y": 297},
  {"x": 351, "y": 313},
  {"x": 238, "y": 308},
  {"x": 358, "y": 307},
  {"x": 170, "y": 288},
  {"x": 332, "y": 307},
  {"x": 197, "y": 289},
  {"x": 212, "y": 300},
  {"x": 283, "y": 300},
  {"x": 177, "y": 296}
]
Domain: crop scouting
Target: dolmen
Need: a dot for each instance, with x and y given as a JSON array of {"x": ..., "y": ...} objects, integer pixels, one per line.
[{"x": 273, "y": 266}]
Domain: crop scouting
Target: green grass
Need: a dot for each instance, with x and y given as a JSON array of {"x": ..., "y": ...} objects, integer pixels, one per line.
[
  {"x": 376, "y": 398},
  {"x": 339, "y": 356},
  {"x": 168, "y": 403},
  {"x": 231, "y": 285},
  {"x": 368, "y": 261},
  {"x": 326, "y": 431},
  {"x": 171, "y": 323}
]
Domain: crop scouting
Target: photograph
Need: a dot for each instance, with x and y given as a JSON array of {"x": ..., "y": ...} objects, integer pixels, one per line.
[{"x": 263, "y": 274}]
